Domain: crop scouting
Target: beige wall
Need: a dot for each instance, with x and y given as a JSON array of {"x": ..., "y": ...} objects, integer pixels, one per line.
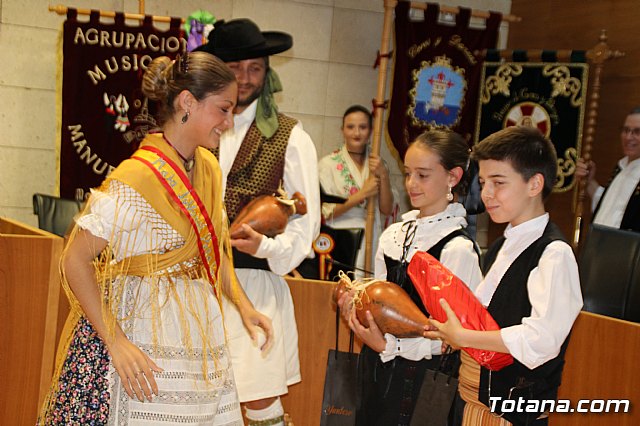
[{"x": 328, "y": 69}]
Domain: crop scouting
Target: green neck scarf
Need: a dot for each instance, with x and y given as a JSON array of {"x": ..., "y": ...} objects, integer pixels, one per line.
[{"x": 267, "y": 110}]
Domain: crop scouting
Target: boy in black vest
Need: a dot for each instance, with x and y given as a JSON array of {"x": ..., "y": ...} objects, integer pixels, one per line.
[{"x": 531, "y": 286}]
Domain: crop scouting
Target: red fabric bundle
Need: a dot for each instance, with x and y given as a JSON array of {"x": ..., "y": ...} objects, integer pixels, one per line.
[{"x": 434, "y": 282}]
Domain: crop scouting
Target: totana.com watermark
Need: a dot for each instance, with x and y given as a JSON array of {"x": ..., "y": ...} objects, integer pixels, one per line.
[{"x": 521, "y": 405}]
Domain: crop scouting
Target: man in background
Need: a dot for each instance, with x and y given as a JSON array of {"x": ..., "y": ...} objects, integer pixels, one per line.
[
  {"x": 264, "y": 150},
  {"x": 618, "y": 204}
]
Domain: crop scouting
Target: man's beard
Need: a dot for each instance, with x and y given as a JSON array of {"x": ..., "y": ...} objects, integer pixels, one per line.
[{"x": 251, "y": 97}]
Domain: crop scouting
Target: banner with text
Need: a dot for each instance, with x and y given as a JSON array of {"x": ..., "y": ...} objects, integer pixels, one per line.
[
  {"x": 549, "y": 96},
  {"x": 104, "y": 114},
  {"x": 436, "y": 74}
]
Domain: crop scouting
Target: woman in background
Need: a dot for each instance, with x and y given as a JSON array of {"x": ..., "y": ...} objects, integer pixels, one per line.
[
  {"x": 145, "y": 269},
  {"x": 349, "y": 175}
]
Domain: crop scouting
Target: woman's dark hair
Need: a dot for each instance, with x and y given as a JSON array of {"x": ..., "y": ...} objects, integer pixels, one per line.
[
  {"x": 358, "y": 108},
  {"x": 452, "y": 150},
  {"x": 200, "y": 73},
  {"x": 528, "y": 151}
]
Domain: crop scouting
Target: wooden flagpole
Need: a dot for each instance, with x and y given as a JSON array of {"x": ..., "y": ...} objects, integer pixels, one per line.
[
  {"x": 597, "y": 56},
  {"x": 62, "y": 10},
  {"x": 378, "y": 115},
  {"x": 380, "y": 103}
]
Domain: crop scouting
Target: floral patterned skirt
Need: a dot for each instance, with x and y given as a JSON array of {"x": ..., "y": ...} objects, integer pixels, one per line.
[{"x": 83, "y": 388}]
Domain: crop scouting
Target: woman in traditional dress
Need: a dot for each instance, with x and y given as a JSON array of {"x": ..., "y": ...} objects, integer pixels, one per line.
[
  {"x": 146, "y": 267},
  {"x": 349, "y": 175},
  {"x": 393, "y": 369}
]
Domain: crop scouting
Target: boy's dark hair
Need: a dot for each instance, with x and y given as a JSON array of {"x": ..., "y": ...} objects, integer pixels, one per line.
[
  {"x": 452, "y": 150},
  {"x": 528, "y": 151}
]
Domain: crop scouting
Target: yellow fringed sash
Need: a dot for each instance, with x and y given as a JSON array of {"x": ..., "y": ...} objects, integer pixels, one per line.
[
  {"x": 176, "y": 183},
  {"x": 206, "y": 237}
]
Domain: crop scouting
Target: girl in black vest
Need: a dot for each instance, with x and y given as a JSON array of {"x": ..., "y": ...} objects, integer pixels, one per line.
[
  {"x": 531, "y": 287},
  {"x": 392, "y": 369}
]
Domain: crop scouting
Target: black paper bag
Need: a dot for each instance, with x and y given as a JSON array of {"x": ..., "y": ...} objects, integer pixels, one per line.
[
  {"x": 339, "y": 398},
  {"x": 437, "y": 393}
]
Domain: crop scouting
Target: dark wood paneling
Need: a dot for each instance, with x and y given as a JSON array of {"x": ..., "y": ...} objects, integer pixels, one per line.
[{"x": 576, "y": 24}]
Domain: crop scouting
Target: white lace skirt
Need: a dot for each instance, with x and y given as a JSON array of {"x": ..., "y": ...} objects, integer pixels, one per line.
[{"x": 185, "y": 397}]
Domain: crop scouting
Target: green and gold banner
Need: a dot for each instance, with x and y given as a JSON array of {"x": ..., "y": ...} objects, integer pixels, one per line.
[{"x": 549, "y": 96}]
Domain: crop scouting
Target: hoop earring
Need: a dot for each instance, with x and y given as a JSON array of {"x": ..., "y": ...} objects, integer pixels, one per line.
[
  {"x": 185, "y": 117},
  {"x": 450, "y": 195}
]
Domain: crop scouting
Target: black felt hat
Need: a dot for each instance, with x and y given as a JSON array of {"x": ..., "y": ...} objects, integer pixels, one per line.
[{"x": 241, "y": 39}]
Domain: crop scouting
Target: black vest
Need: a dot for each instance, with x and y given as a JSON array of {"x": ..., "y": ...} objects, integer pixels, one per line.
[
  {"x": 257, "y": 169},
  {"x": 397, "y": 269},
  {"x": 509, "y": 304},
  {"x": 389, "y": 391},
  {"x": 631, "y": 217}
]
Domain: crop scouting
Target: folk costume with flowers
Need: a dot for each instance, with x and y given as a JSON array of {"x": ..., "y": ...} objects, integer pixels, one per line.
[
  {"x": 160, "y": 278},
  {"x": 341, "y": 177}
]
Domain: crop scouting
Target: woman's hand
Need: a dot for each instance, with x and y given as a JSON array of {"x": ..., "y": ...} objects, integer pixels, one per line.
[
  {"x": 254, "y": 321},
  {"x": 377, "y": 167},
  {"x": 449, "y": 332},
  {"x": 251, "y": 243},
  {"x": 370, "y": 187},
  {"x": 371, "y": 336},
  {"x": 251, "y": 318},
  {"x": 134, "y": 367}
]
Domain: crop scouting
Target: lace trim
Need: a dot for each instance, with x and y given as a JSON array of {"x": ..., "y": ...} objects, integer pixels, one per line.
[{"x": 267, "y": 422}]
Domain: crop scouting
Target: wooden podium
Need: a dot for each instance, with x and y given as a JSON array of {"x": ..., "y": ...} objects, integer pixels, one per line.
[
  {"x": 316, "y": 320},
  {"x": 30, "y": 297}
]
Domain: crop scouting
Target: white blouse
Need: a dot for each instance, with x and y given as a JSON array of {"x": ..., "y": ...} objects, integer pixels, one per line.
[{"x": 458, "y": 255}]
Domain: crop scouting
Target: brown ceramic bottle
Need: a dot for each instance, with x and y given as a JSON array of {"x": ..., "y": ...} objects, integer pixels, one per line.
[
  {"x": 391, "y": 307},
  {"x": 268, "y": 215}
]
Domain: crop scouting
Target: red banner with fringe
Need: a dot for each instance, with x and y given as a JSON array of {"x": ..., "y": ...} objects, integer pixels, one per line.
[
  {"x": 104, "y": 114},
  {"x": 436, "y": 73}
]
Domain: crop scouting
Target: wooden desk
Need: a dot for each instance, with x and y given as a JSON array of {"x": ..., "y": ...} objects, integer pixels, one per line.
[
  {"x": 601, "y": 363},
  {"x": 316, "y": 319},
  {"x": 30, "y": 297},
  {"x": 601, "y": 360}
]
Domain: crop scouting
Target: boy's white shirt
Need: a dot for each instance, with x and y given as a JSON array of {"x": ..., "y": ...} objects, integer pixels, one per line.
[{"x": 553, "y": 288}]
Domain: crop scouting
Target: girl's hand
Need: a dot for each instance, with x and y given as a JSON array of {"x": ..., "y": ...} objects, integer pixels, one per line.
[
  {"x": 254, "y": 321},
  {"x": 449, "y": 332},
  {"x": 371, "y": 336},
  {"x": 134, "y": 367},
  {"x": 344, "y": 304}
]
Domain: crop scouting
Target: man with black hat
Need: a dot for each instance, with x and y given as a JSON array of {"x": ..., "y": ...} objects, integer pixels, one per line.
[{"x": 263, "y": 151}]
